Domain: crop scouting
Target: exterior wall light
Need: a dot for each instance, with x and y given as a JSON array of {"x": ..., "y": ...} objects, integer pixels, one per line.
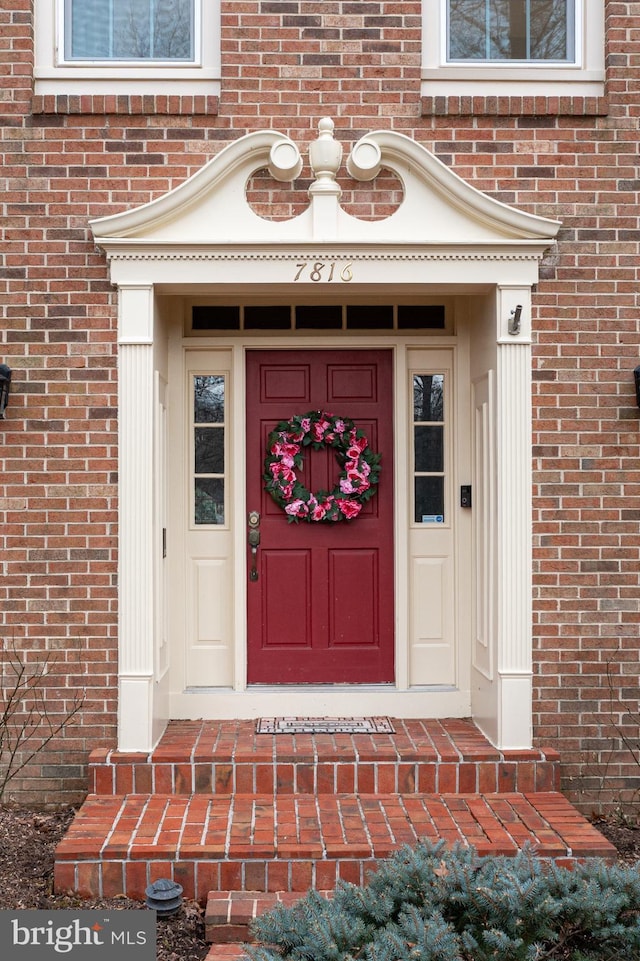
[
  {"x": 636, "y": 377},
  {"x": 5, "y": 385},
  {"x": 514, "y": 320}
]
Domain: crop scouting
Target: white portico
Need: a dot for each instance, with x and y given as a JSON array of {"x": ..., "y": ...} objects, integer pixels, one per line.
[{"x": 460, "y": 576}]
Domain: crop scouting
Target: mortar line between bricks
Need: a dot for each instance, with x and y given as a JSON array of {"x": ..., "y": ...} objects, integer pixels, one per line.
[
  {"x": 231, "y": 812},
  {"x": 206, "y": 822},
  {"x": 316, "y": 801},
  {"x": 275, "y": 820},
  {"x": 114, "y": 825},
  {"x": 341, "y": 822},
  {"x": 388, "y": 822},
  {"x": 185, "y": 818},
  {"x": 364, "y": 823},
  {"x": 443, "y": 800},
  {"x": 520, "y": 819},
  {"x": 252, "y": 834},
  {"x": 161, "y": 821}
]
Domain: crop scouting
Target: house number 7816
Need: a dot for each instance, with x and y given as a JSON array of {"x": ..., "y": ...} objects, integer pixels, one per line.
[{"x": 321, "y": 270}]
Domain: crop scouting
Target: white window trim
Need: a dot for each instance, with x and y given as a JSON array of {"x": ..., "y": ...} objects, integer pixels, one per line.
[
  {"x": 584, "y": 77},
  {"x": 53, "y": 75}
]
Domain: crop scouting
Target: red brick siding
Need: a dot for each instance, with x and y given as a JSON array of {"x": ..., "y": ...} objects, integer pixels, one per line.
[{"x": 285, "y": 65}]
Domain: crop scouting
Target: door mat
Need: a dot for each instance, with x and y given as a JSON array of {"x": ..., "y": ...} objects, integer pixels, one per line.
[{"x": 325, "y": 725}]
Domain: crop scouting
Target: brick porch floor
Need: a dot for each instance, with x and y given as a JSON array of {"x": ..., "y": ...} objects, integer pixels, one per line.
[{"x": 220, "y": 808}]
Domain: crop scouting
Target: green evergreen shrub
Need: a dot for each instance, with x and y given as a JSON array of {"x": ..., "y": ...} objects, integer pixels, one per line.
[{"x": 432, "y": 904}]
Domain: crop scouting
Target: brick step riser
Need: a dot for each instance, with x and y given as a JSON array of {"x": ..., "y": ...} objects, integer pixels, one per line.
[
  {"x": 230, "y": 914},
  {"x": 198, "y": 878},
  {"x": 403, "y": 777}
]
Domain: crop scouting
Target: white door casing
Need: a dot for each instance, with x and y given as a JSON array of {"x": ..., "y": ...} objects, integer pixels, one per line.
[
  {"x": 445, "y": 237},
  {"x": 207, "y": 609}
]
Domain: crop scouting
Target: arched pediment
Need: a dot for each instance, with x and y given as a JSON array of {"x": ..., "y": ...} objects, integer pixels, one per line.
[{"x": 438, "y": 208}]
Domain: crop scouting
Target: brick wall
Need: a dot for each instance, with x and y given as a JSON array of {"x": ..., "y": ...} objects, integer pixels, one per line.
[{"x": 286, "y": 64}]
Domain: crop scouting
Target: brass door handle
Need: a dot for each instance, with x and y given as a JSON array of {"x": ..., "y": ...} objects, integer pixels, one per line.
[{"x": 253, "y": 538}]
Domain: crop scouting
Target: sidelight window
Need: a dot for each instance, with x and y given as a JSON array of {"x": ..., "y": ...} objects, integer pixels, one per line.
[
  {"x": 208, "y": 458},
  {"x": 428, "y": 448}
]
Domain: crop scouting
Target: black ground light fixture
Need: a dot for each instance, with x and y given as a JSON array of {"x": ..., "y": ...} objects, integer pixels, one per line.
[
  {"x": 5, "y": 385},
  {"x": 164, "y": 896},
  {"x": 636, "y": 377}
]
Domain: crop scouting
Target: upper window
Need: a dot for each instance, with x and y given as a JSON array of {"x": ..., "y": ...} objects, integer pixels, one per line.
[
  {"x": 507, "y": 30},
  {"x": 513, "y": 47},
  {"x": 140, "y": 30},
  {"x": 127, "y": 46}
]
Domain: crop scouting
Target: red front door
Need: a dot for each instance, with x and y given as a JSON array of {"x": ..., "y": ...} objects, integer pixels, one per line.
[{"x": 321, "y": 609}]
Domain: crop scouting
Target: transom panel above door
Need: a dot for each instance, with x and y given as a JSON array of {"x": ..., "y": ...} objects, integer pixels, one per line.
[{"x": 320, "y": 604}]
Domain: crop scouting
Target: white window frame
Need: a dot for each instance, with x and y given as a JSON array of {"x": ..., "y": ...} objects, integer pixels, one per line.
[
  {"x": 582, "y": 77},
  {"x": 55, "y": 75}
]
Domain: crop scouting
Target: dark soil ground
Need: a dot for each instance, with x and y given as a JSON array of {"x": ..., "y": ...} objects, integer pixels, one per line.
[
  {"x": 28, "y": 839},
  {"x": 27, "y": 843}
]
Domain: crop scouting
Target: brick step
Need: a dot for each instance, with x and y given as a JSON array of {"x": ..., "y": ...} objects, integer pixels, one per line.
[
  {"x": 229, "y": 914},
  {"x": 120, "y": 844},
  {"x": 229, "y": 757},
  {"x": 233, "y": 951}
]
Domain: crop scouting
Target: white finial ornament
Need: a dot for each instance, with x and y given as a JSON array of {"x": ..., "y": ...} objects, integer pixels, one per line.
[{"x": 325, "y": 156}]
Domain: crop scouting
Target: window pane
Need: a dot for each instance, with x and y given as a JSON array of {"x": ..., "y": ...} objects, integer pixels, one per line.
[
  {"x": 416, "y": 316},
  {"x": 209, "y": 500},
  {"x": 320, "y": 318},
  {"x": 374, "y": 317},
  {"x": 429, "y": 448},
  {"x": 549, "y": 30},
  {"x": 208, "y": 399},
  {"x": 510, "y": 29},
  {"x": 428, "y": 397},
  {"x": 129, "y": 29},
  {"x": 215, "y": 318},
  {"x": 429, "y": 500},
  {"x": 209, "y": 450},
  {"x": 267, "y": 318}
]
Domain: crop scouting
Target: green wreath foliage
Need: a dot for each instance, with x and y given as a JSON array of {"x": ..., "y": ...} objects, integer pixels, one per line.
[{"x": 359, "y": 467}]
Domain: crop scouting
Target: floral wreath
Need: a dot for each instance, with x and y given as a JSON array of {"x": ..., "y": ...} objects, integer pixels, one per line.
[{"x": 360, "y": 467}]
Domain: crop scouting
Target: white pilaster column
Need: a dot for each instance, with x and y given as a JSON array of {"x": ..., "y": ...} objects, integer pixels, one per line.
[
  {"x": 514, "y": 539},
  {"x": 135, "y": 472}
]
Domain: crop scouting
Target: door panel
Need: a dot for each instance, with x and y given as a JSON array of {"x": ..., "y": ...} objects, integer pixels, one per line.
[
  {"x": 321, "y": 610},
  {"x": 354, "y": 620},
  {"x": 286, "y": 621}
]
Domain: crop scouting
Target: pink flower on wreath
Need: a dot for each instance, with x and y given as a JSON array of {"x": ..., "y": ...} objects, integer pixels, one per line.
[
  {"x": 319, "y": 429},
  {"x": 282, "y": 472},
  {"x": 358, "y": 442},
  {"x": 286, "y": 452},
  {"x": 297, "y": 508},
  {"x": 349, "y": 508},
  {"x": 353, "y": 452},
  {"x": 305, "y": 425},
  {"x": 353, "y": 474},
  {"x": 346, "y": 486},
  {"x": 339, "y": 425},
  {"x": 319, "y": 510}
]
